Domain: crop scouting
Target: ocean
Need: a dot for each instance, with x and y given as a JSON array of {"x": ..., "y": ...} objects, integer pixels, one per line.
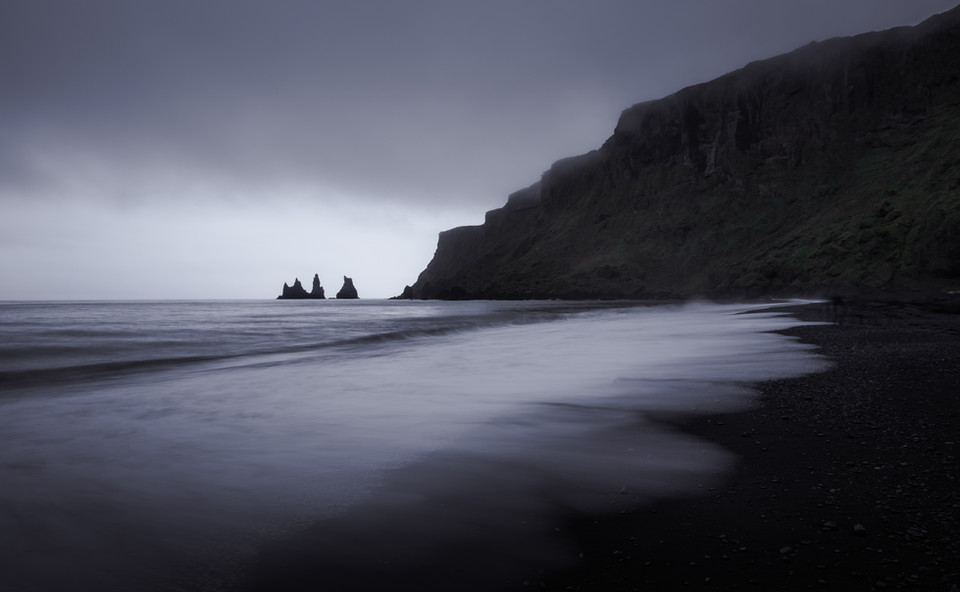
[{"x": 183, "y": 445}]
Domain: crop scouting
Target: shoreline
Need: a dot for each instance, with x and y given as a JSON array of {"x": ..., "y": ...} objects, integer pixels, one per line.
[
  {"x": 847, "y": 478},
  {"x": 844, "y": 478}
]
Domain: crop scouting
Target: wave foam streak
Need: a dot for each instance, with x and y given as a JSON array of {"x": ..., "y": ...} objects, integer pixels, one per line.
[{"x": 161, "y": 472}]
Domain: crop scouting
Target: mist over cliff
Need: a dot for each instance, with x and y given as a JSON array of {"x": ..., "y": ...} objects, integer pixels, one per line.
[{"x": 833, "y": 167}]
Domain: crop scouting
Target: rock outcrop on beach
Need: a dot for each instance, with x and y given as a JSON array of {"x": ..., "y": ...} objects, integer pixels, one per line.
[
  {"x": 834, "y": 167},
  {"x": 297, "y": 291},
  {"x": 348, "y": 291}
]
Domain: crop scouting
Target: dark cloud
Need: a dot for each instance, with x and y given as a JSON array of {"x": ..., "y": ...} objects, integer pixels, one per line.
[
  {"x": 436, "y": 108},
  {"x": 420, "y": 100}
]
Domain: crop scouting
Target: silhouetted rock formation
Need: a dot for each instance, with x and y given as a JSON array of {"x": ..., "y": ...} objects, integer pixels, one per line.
[
  {"x": 297, "y": 292},
  {"x": 830, "y": 168},
  {"x": 347, "y": 291},
  {"x": 317, "y": 290}
]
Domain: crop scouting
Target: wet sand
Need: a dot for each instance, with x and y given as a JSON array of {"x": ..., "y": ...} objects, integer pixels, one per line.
[
  {"x": 847, "y": 480},
  {"x": 844, "y": 479}
]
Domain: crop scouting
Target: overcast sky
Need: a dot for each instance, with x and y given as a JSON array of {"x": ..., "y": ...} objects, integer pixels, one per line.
[{"x": 218, "y": 148}]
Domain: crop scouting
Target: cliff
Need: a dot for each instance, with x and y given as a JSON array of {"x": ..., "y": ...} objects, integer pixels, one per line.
[{"x": 833, "y": 167}]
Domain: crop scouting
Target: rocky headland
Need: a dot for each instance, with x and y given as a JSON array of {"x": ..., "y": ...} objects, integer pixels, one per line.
[{"x": 834, "y": 168}]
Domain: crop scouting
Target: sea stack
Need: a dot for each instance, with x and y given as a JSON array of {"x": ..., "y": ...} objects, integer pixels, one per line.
[
  {"x": 297, "y": 291},
  {"x": 317, "y": 291},
  {"x": 347, "y": 291}
]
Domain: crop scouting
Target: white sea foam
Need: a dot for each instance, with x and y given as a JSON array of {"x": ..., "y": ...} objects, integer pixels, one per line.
[{"x": 153, "y": 468}]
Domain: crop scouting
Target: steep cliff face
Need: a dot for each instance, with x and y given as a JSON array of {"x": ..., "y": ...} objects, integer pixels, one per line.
[{"x": 836, "y": 166}]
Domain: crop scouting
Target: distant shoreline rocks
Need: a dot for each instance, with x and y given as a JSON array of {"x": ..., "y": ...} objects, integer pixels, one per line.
[
  {"x": 298, "y": 292},
  {"x": 348, "y": 291}
]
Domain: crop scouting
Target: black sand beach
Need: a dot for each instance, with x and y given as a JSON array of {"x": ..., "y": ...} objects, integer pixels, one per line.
[{"x": 846, "y": 479}]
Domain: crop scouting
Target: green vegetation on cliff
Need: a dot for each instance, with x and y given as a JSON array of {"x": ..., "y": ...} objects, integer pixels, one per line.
[{"x": 834, "y": 167}]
